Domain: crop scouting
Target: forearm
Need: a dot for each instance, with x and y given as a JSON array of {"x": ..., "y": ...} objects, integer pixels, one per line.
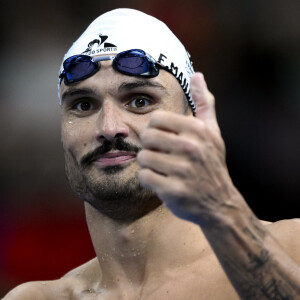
[{"x": 254, "y": 262}]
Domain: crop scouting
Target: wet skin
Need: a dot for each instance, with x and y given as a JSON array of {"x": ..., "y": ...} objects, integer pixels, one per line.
[
  {"x": 155, "y": 255},
  {"x": 98, "y": 110}
]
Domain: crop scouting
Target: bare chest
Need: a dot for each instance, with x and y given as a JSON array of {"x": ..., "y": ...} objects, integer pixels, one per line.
[{"x": 191, "y": 284}]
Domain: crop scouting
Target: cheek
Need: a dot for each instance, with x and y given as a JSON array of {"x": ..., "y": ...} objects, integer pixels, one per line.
[
  {"x": 75, "y": 137},
  {"x": 138, "y": 125}
]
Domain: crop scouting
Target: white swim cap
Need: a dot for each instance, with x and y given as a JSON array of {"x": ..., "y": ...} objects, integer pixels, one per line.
[{"x": 124, "y": 29}]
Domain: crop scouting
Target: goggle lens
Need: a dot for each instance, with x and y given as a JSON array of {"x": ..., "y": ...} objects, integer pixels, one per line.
[{"x": 132, "y": 62}]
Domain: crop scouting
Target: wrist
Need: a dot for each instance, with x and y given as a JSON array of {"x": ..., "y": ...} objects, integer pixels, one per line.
[{"x": 232, "y": 211}]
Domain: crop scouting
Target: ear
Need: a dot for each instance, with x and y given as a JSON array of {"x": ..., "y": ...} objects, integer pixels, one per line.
[{"x": 203, "y": 99}]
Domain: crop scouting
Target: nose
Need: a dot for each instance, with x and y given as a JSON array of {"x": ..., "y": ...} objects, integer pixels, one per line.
[{"x": 111, "y": 123}]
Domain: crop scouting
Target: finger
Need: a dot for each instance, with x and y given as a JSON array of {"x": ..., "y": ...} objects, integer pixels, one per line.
[
  {"x": 166, "y": 188},
  {"x": 164, "y": 164},
  {"x": 151, "y": 180},
  {"x": 175, "y": 123},
  {"x": 155, "y": 139},
  {"x": 203, "y": 99}
]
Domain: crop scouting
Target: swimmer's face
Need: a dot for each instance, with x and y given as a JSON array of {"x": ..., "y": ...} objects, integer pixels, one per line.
[{"x": 103, "y": 118}]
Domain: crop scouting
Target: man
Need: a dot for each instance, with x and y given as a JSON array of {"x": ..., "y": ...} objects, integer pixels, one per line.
[{"x": 143, "y": 150}]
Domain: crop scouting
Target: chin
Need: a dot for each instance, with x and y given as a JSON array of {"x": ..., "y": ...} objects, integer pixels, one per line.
[{"x": 114, "y": 191}]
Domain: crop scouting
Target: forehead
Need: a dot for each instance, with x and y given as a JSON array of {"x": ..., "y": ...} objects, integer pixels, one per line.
[{"x": 109, "y": 80}]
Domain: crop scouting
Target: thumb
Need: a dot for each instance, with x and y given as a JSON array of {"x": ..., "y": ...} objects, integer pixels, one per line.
[{"x": 203, "y": 99}]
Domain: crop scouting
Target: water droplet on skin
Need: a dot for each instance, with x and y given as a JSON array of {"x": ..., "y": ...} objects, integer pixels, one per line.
[
  {"x": 70, "y": 122},
  {"x": 132, "y": 231}
]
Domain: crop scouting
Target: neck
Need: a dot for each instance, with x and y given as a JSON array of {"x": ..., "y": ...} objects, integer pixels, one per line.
[{"x": 153, "y": 244}]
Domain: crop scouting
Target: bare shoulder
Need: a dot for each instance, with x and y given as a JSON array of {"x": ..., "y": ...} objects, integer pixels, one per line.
[
  {"x": 71, "y": 286},
  {"x": 90, "y": 269},
  {"x": 287, "y": 233},
  {"x": 38, "y": 290}
]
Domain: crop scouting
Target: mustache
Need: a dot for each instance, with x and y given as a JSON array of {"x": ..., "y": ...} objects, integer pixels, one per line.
[{"x": 117, "y": 144}]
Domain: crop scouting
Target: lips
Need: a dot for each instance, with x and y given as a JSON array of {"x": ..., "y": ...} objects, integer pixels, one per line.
[{"x": 115, "y": 158}]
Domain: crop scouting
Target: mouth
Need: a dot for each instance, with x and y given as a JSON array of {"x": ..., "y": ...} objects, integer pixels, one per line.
[{"x": 115, "y": 158}]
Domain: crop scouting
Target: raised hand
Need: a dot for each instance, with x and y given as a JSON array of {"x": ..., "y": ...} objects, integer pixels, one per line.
[{"x": 183, "y": 159}]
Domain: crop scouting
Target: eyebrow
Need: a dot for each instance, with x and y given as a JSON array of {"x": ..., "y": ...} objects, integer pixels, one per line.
[
  {"x": 73, "y": 91},
  {"x": 124, "y": 87},
  {"x": 128, "y": 86}
]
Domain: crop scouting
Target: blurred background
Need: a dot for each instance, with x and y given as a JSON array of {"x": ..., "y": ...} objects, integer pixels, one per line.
[{"x": 249, "y": 53}]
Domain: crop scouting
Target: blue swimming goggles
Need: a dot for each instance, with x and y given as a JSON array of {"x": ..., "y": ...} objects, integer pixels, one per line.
[{"x": 133, "y": 62}]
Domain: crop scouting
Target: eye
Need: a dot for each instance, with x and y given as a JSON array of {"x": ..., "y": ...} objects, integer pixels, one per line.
[
  {"x": 139, "y": 103},
  {"x": 83, "y": 106}
]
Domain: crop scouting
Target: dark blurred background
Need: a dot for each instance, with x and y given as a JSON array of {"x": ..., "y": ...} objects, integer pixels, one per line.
[{"x": 249, "y": 53}]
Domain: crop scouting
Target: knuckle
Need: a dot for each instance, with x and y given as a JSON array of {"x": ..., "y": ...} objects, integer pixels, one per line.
[
  {"x": 156, "y": 117},
  {"x": 170, "y": 192},
  {"x": 183, "y": 169},
  {"x": 197, "y": 127},
  {"x": 143, "y": 175},
  {"x": 211, "y": 98},
  {"x": 179, "y": 190},
  {"x": 150, "y": 137},
  {"x": 142, "y": 157},
  {"x": 186, "y": 170},
  {"x": 153, "y": 135},
  {"x": 191, "y": 148},
  {"x": 146, "y": 137}
]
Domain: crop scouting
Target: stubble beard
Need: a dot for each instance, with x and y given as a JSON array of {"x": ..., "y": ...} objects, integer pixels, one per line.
[{"x": 121, "y": 199}]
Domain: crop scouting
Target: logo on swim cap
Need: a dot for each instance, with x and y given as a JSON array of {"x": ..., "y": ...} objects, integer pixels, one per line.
[
  {"x": 99, "y": 45},
  {"x": 114, "y": 26}
]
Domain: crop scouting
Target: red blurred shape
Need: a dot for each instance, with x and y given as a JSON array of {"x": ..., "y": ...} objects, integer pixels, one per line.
[{"x": 46, "y": 248}]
